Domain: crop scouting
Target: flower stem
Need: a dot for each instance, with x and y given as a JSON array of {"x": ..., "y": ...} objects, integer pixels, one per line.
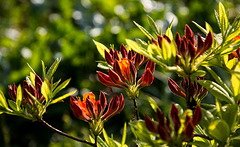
[
  {"x": 65, "y": 134},
  {"x": 96, "y": 136},
  {"x": 136, "y": 109}
]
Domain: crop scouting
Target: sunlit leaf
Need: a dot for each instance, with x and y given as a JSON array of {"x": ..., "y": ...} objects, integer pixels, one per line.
[
  {"x": 101, "y": 48},
  {"x": 45, "y": 90},
  {"x": 43, "y": 70},
  {"x": 153, "y": 104},
  {"x": 63, "y": 97},
  {"x": 219, "y": 130},
  {"x": 216, "y": 90},
  {"x": 61, "y": 86},
  {"x": 144, "y": 31},
  {"x": 32, "y": 78},
  {"x": 218, "y": 80},
  {"x": 3, "y": 102},
  {"x": 19, "y": 98},
  {"x": 223, "y": 17},
  {"x": 201, "y": 28},
  {"x": 124, "y": 136},
  {"x": 229, "y": 114},
  {"x": 153, "y": 25},
  {"x": 53, "y": 68}
]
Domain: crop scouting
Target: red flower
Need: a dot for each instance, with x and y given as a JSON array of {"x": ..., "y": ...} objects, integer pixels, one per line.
[
  {"x": 89, "y": 109},
  {"x": 186, "y": 45},
  {"x": 124, "y": 70}
]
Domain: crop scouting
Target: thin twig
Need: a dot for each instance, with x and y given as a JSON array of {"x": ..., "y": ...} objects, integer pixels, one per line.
[{"x": 65, "y": 134}]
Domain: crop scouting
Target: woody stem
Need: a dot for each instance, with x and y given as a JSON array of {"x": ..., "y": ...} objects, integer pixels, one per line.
[
  {"x": 136, "y": 109},
  {"x": 65, "y": 134}
]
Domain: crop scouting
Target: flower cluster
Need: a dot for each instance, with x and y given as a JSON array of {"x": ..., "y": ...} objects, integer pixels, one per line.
[
  {"x": 92, "y": 111},
  {"x": 186, "y": 46},
  {"x": 195, "y": 91},
  {"x": 124, "y": 71},
  {"x": 164, "y": 127}
]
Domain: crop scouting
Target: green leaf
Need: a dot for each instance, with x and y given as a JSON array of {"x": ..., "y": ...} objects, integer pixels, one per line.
[
  {"x": 124, "y": 134},
  {"x": 229, "y": 114},
  {"x": 45, "y": 90},
  {"x": 153, "y": 25},
  {"x": 216, "y": 90},
  {"x": 223, "y": 17},
  {"x": 101, "y": 48},
  {"x": 19, "y": 98},
  {"x": 153, "y": 104},
  {"x": 199, "y": 73},
  {"x": 63, "y": 97},
  {"x": 208, "y": 27},
  {"x": 169, "y": 32},
  {"x": 32, "y": 78},
  {"x": 219, "y": 130},
  {"x": 218, "y": 80},
  {"x": 3, "y": 102},
  {"x": 166, "y": 51},
  {"x": 61, "y": 86},
  {"x": 143, "y": 52},
  {"x": 33, "y": 97},
  {"x": 105, "y": 136},
  {"x": 144, "y": 31},
  {"x": 142, "y": 43},
  {"x": 140, "y": 130},
  {"x": 201, "y": 28},
  {"x": 53, "y": 69},
  {"x": 200, "y": 144},
  {"x": 235, "y": 81},
  {"x": 231, "y": 63},
  {"x": 43, "y": 70},
  {"x": 12, "y": 105}
]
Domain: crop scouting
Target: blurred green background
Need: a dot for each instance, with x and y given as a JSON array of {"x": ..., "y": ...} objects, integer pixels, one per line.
[{"x": 35, "y": 30}]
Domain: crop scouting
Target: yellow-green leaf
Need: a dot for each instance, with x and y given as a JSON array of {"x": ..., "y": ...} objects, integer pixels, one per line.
[
  {"x": 219, "y": 130},
  {"x": 101, "y": 48},
  {"x": 3, "y": 102},
  {"x": 169, "y": 33},
  {"x": 19, "y": 97},
  {"x": 45, "y": 90},
  {"x": 223, "y": 17},
  {"x": 63, "y": 97},
  {"x": 32, "y": 78},
  {"x": 166, "y": 50},
  {"x": 144, "y": 31}
]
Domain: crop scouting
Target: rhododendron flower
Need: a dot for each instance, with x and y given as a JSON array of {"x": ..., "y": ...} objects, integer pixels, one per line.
[
  {"x": 90, "y": 110},
  {"x": 164, "y": 128},
  {"x": 28, "y": 91},
  {"x": 124, "y": 71},
  {"x": 194, "y": 89}
]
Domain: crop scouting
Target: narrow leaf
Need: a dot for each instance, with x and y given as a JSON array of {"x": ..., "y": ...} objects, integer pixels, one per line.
[
  {"x": 124, "y": 134},
  {"x": 19, "y": 98},
  {"x": 153, "y": 25},
  {"x": 43, "y": 70},
  {"x": 144, "y": 31},
  {"x": 63, "y": 97},
  {"x": 223, "y": 17},
  {"x": 3, "y": 102},
  {"x": 61, "y": 86},
  {"x": 32, "y": 78},
  {"x": 45, "y": 90},
  {"x": 53, "y": 68},
  {"x": 153, "y": 104},
  {"x": 218, "y": 80},
  {"x": 201, "y": 28},
  {"x": 216, "y": 90},
  {"x": 105, "y": 136},
  {"x": 101, "y": 48}
]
